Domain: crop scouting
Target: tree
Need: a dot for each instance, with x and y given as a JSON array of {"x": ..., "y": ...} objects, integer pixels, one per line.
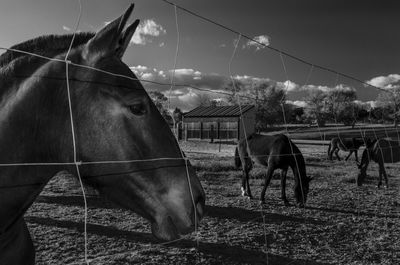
[
  {"x": 316, "y": 110},
  {"x": 269, "y": 102},
  {"x": 266, "y": 96},
  {"x": 362, "y": 112},
  {"x": 347, "y": 115},
  {"x": 340, "y": 105},
  {"x": 296, "y": 113},
  {"x": 161, "y": 102},
  {"x": 176, "y": 116},
  {"x": 389, "y": 103}
]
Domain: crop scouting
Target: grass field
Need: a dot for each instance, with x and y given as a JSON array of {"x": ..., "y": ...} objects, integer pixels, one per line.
[{"x": 342, "y": 223}]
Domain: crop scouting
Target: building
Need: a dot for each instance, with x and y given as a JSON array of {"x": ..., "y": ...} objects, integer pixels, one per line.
[{"x": 222, "y": 123}]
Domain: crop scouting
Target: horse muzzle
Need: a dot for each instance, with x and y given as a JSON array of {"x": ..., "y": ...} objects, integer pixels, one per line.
[{"x": 172, "y": 226}]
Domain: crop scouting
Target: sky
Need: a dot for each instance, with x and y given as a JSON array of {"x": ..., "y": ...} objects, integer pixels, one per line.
[{"x": 358, "y": 37}]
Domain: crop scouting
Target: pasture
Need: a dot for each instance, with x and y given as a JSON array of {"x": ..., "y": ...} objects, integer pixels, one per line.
[{"x": 341, "y": 224}]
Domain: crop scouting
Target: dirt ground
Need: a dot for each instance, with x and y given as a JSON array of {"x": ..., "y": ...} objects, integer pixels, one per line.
[{"x": 342, "y": 223}]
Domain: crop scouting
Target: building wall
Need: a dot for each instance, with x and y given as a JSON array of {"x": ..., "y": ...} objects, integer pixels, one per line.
[
  {"x": 249, "y": 121},
  {"x": 224, "y": 128}
]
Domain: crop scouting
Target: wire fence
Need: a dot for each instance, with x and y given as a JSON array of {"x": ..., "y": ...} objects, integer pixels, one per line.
[{"x": 183, "y": 159}]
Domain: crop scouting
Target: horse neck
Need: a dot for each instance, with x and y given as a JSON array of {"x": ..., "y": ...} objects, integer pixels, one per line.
[
  {"x": 33, "y": 122},
  {"x": 33, "y": 115},
  {"x": 365, "y": 159},
  {"x": 299, "y": 168}
]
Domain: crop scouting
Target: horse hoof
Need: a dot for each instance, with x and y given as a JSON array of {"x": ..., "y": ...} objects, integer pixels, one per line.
[{"x": 249, "y": 197}]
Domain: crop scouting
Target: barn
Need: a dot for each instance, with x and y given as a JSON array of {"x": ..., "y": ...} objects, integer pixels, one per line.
[{"x": 222, "y": 122}]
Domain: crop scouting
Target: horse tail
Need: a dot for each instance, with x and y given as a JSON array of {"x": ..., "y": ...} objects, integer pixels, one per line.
[{"x": 238, "y": 162}]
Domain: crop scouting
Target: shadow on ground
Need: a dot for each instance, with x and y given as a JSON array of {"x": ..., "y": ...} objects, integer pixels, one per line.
[
  {"x": 244, "y": 215},
  {"x": 235, "y": 254}
]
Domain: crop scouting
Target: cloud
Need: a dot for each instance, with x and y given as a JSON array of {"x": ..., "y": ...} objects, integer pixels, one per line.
[
  {"x": 186, "y": 97},
  {"x": 66, "y": 28},
  {"x": 386, "y": 82},
  {"x": 180, "y": 96},
  {"x": 264, "y": 39},
  {"x": 288, "y": 86},
  {"x": 147, "y": 76},
  {"x": 299, "y": 103},
  {"x": 372, "y": 103},
  {"x": 340, "y": 87},
  {"x": 147, "y": 30}
]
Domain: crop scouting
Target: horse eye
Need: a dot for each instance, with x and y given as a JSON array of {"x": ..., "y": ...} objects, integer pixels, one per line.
[{"x": 137, "y": 109}]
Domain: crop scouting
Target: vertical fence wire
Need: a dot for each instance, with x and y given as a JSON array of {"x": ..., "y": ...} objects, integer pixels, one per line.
[
  {"x": 73, "y": 134},
  {"x": 180, "y": 149}
]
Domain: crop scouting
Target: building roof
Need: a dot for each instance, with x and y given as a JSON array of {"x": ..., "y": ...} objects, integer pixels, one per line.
[{"x": 223, "y": 111}]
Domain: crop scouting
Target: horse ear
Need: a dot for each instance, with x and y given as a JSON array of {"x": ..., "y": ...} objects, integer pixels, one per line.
[
  {"x": 111, "y": 39},
  {"x": 126, "y": 38}
]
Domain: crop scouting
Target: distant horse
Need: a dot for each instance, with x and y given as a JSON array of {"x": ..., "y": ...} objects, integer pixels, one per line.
[
  {"x": 346, "y": 144},
  {"x": 381, "y": 151},
  {"x": 273, "y": 152},
  {"x": 114, "y": 120}
]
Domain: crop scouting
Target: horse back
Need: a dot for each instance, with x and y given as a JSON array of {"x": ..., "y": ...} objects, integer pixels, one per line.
[
  {"x": 386, "y": 150},
  {"x": 346, "y": 144}
]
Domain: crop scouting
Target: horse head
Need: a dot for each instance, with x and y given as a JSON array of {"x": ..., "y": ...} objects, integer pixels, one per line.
[
  {"x": 362, "y": 166},
  {"x": 115, "y": 120},
  {"x": 301, "y": 191}
]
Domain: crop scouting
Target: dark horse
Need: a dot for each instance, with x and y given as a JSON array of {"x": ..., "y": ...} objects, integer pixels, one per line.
[
  {"x": 274, "y": 152},
  {"x": 381, "y": 151},
  {"x": 350, "y": 145},
  {"x": 115, "y": 120}
]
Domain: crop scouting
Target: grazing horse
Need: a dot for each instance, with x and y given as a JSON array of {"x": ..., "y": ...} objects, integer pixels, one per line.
[
  {"x": 381, "y": 151},
  {"x": 114, "y": 120},
  {"x": 346, "y": 144},
  {"x": 273, "y": 152}
]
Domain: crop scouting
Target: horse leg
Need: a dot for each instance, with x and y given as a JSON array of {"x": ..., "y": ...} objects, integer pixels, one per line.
[
  {"x": 356, "y": 155},
  {"x": 245, "y": 183},
  {"x": 337, "y": 154},
  {"x": 283, "y": 187},
  {"x": 351, "y": 151},
  {"x": 330, "y": 152},
  {"x": 19, "y": 248},
  {"x": 382, "y": 171},
  {"x": 267, "y": 180},
  {"x": 243, "y": 188},
  {"x": 248, "y": 191}
]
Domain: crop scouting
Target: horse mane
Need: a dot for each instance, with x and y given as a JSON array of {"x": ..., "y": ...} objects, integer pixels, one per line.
[
  {"x": 44, "y": 45},
  {"x": 370, "y": 143},
  {"x": 251, "y": 136},
  {"x": 11, "y": 62}
]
